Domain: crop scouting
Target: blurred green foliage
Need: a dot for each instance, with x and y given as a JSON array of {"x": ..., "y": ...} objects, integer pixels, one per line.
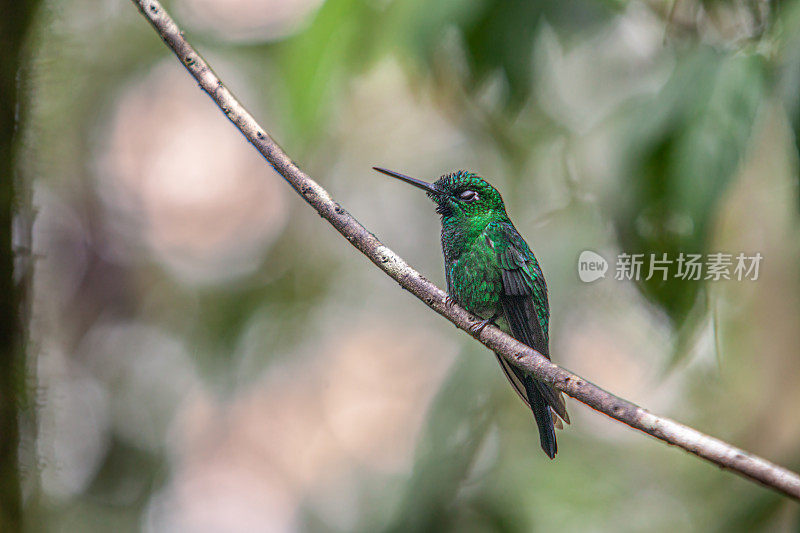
[
  {"x": 685, "y": 145},
  {"x": 446, "y": 451},
  {"x": 347, "y": 36},
  {"x": 16, "y": 265},
  {"x": 597, "y": 137}
]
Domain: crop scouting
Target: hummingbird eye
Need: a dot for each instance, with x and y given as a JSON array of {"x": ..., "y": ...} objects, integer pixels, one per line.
[{"x": 468, "y": 196}]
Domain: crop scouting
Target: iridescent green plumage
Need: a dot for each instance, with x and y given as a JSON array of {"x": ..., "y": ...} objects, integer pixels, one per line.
[{"x": 492, "y": 272}]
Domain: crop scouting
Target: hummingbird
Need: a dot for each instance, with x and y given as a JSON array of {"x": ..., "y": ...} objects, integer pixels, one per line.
[{"x": 491, "y": 271}]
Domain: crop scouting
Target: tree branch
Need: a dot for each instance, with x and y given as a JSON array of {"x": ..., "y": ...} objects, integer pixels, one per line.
[{"x": 709, "y": 448}]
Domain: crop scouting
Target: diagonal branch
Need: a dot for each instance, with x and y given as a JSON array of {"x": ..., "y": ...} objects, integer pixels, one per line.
[{"x": 709, "y": 448}]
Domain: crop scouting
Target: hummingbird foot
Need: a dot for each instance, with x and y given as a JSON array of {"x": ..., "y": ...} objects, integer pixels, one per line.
[
  {"x": 477, "y": 328},
  {"x": 449, "y": 301}
]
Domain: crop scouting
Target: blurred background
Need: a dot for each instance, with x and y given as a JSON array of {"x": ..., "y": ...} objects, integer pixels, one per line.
[{"x": 206, "y": 354}]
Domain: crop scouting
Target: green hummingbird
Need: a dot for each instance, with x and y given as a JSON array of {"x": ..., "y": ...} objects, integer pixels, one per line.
[{"x": 492, "y": 272}]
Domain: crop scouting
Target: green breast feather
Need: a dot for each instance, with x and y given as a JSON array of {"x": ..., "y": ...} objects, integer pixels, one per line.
[{"x": 498, "y": 257}]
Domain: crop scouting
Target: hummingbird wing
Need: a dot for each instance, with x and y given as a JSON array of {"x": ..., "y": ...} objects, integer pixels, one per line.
[{"x": 525, "y": 306}]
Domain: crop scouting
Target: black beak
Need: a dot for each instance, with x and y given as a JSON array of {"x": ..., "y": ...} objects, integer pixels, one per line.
[{"x": 424, "y": 185}]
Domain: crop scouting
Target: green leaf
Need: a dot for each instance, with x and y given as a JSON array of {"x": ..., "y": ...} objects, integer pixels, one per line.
[
  {"x": 317, "y": 62},
  {"x": 457, "y": 424},
  {"x": 498, "y": 35},
  {"x": 684, "y": 145}
]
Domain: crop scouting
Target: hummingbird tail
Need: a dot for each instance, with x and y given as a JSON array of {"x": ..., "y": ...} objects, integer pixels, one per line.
[
  {"x": 544, "y": 418},
  {"x": 544, "y": 401}
]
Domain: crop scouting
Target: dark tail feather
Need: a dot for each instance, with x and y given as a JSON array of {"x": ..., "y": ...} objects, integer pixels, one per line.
[{"x": 544, "y": 418}]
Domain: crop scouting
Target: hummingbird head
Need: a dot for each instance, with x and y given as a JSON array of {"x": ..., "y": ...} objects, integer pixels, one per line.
[{"x": 460, "y": 195}]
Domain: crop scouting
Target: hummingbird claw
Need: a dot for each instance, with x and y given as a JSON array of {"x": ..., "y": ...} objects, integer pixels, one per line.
[
  {"x": 449, "y": 302},
  {"x": 478, "y": 327}
]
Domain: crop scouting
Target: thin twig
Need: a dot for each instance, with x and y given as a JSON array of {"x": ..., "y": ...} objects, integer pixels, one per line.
[{"x": 714, "y": 450}]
